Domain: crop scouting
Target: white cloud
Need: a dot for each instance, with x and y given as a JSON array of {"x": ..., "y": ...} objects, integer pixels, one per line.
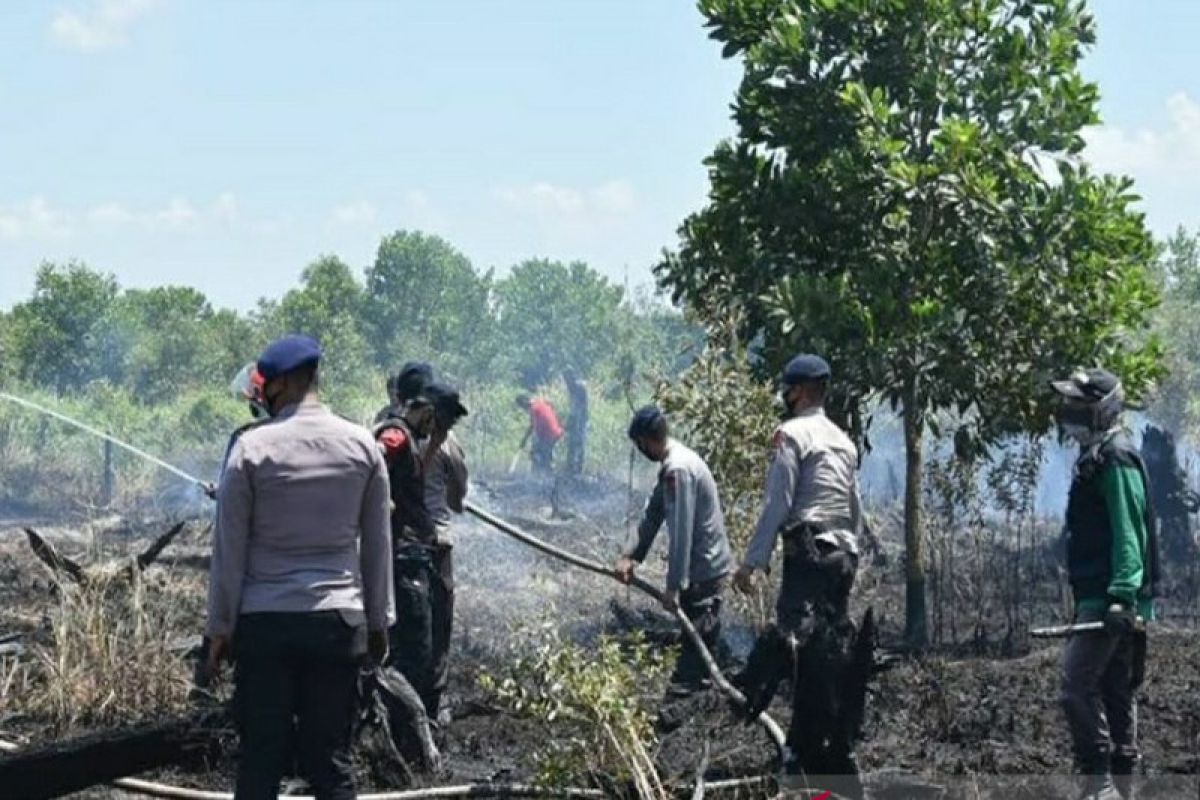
[
  {"x": 35, "y": 219},
  {"x": 101, "y": 25},
  {"x": 570, "y": 205},
  {"x": 1163, "y": 161},
  {"x": 359, "y": 213}
]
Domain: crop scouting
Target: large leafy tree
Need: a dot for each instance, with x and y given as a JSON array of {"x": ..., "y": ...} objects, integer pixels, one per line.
[
  {"x": 553, "y": 315},
  {"x": 329, "y": 305},
  {"x": 164, "y": 332},
  {"x": 906, "y": 194},
  {"x": 425, "y": 299},
  {"x": 62, "y": 337},
  {"x": 1177, "y": 403}
]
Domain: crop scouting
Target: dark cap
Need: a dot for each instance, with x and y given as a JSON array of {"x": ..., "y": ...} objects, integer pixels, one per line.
[
  {"x": 411, "y": 379},
  {"x": 1088, "y": 385},
  {"x": 446, "y": 402},
  {"x": 647, "y": 421},
  {"x": 804, "y": 368},
  {"x": 287, "y": 354}
]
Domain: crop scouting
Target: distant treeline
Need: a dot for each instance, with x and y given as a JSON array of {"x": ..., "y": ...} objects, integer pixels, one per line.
[{"x": 420, "y": 298}]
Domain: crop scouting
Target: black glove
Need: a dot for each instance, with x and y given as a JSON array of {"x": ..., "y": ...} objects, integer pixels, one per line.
[
  {"x": 377, "y": 647},
  {"x": 1120, "y": 620}
]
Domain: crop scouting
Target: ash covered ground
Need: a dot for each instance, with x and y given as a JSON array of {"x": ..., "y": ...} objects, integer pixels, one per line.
[{"x": 948, "y": 724}]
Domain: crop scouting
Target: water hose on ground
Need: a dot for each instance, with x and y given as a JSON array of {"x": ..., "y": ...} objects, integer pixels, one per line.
[{"x": 769, "y": 725}]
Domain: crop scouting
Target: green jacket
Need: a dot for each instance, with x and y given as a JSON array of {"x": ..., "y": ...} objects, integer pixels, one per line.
[{"x": 1125, "y": 500}]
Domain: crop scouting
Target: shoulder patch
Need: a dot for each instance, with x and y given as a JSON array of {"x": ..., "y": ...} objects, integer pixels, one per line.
[
  {"x": 669, "y": 480},
  {"x": 393, "y": 441}
]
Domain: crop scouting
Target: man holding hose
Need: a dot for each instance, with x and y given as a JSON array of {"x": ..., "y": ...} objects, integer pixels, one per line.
[{"x": 699, "y": 560}]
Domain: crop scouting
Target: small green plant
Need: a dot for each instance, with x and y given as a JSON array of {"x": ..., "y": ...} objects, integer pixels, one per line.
[{"x": 590, "y": 699}]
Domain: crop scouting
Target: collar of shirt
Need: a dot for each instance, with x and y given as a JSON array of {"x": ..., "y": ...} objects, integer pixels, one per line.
[
  {"x": 815, "y": 411},
  {"x": 309, "y": 405}
]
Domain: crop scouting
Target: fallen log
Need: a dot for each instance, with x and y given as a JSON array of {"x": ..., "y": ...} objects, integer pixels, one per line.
[
  {"x": 62, "y": 565},
  {"x": 718, "y": 678},
  {"x": 152, "y": 552},
  {"x": 74, "y": 764}
]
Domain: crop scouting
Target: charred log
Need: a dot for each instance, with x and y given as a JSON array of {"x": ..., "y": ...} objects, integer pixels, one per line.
[
  {"x": 58, "y": 563},
  {"x": 74, "y": 764}
]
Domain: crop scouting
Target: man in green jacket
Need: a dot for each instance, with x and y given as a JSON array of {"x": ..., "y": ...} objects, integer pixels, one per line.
[{"x": 1112, "y": 566}]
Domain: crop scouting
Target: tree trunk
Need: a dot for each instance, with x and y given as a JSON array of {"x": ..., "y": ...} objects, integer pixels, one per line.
[{"x": 915, "y": 617}]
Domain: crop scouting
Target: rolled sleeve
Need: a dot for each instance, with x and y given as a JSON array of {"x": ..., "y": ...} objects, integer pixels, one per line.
[
  {"x": 227, "y": 571},
  {"x": 375, "y": 549},
  {"x": 781, "y": 488}
]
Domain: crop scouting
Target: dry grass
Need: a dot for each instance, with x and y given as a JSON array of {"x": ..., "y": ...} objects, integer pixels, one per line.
[{"x": 108, "y": 659}]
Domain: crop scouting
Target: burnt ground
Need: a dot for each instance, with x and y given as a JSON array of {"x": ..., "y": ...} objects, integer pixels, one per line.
[{"x": 964, "y": 719}]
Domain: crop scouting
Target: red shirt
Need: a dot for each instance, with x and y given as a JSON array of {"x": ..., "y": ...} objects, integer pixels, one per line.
[{"x": 545, "y": 422}]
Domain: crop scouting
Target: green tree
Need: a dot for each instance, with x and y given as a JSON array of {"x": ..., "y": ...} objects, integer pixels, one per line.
[
  {"x": 163, "y": 333},
  {"x": 905, "y": 194},
  {"x": 1178, "y": 324},
  {"x": 553, "y": 315},
  {"x": 61, "y": 338},
  {"x": 424, "y": 299},
  {"x": 329, "y": 306}
]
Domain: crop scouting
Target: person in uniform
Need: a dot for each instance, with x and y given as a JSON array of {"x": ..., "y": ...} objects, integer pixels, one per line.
[
  {"x": 300, "y": 585},
  {"x": 1112, "y": 565},
  {"x": 403, "y": 385},
  {"x": 812, "y": 504},
  {"x": 445, "y": 469},
  {"x": 699, "y": 558}
]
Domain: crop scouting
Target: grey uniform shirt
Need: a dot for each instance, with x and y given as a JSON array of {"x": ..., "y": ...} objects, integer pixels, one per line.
[
  {"x": 446, "y": 486},
  {"x": 302, "y": 523},
  {"x": 686, "y": 498},
  {"x": 813, "y": 480}
]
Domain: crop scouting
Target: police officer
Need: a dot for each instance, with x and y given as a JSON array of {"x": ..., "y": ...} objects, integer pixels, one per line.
[
  {"x": 300, "y": 586},
  {"x": 405, "y": 384},
  {"x": 1112, "y": 564},
  {"x": 812, "y": 504},
  {"x": 699, "y": 559},
  {"x": 445, "y": 470}
]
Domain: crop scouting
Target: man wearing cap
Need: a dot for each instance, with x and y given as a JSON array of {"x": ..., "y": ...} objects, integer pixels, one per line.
[
  {"x": 699, "y": 559},
  {"x": 445, "y": 470},
  {"x": 1112, "y": 564},
  {"x": 399, "y": 435},
  {"x": 812, "y": 505},
  {"x": 300, "y": 586},
  {"x": 404, "y": 385}
]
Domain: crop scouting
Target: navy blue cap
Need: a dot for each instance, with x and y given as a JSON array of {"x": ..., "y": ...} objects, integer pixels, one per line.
[
  {"x": 647, "y": 421},
  {"x": 804, "y": 368},
  {"x": 288, "y": 353},
  {"x": 446, "y": 402},
  {"x": 410, "y": 381}
]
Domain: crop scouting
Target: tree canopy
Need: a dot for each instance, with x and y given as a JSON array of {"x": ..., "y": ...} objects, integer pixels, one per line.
[{"x": 906, "y": 195}]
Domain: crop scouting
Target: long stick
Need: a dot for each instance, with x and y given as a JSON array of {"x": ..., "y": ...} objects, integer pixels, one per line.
[
  {"x": 772, "y": 728},
  {"x": 158, "y": 462}
]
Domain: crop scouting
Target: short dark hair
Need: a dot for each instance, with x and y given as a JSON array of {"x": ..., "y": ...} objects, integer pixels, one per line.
[{"x": 523, "y": 400}]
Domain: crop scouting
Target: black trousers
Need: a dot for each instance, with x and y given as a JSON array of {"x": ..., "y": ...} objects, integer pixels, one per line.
[
  {"x": 576, "y": 440},
  {"x": 1101, "y": 675},
  {"x": 701, "y": 603},
  {"x": 813, "y": 608},
  {"x": 296, "y": 685},
  {"x": 420, "y": 640},
  {"x": 541, "y": 454}
]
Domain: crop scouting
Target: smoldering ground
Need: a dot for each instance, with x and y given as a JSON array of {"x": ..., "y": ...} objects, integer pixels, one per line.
[{"x": 960, "y": 718}]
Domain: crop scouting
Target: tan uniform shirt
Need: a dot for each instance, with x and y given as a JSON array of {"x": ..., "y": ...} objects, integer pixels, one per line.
[{"x": 302, "y": 523}]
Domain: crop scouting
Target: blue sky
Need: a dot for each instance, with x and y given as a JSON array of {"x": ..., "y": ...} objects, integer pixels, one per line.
[{"x": 226, "y": 144}]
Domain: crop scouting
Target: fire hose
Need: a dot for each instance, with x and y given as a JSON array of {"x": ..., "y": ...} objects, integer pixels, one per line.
[{"x": 772, "y": 728}]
